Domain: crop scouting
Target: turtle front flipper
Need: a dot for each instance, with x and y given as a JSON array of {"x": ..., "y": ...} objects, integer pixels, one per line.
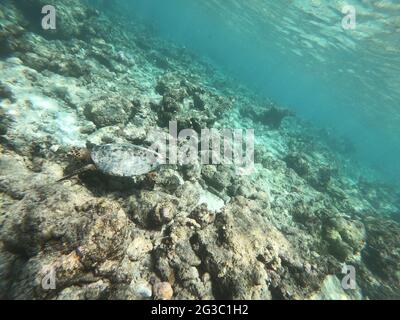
[{"x": 89, "y": 167}]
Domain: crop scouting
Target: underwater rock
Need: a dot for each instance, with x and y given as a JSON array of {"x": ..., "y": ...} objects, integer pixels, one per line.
[
  {"x": 138, "y": 248},
  {"x": 202, "y": 215},
  {"x": 152, "y": 209},
  {"x": 307, "y": 215},
  {"x": 88, "y": 128},
  {"x": 274, "y": 116},
  {"x": 7, "y": 263},
  {"x": 181, "y": 103},
  {"x": 219, "y": 179},
  {"x": 106, "y": 239},
  {"x": 168, "y": 180},
  {"x": 322, "y": 178},
  {"x": 159, "y": 60},
  {"x": 142, "y": 290},
  {"x": 41, "y": 58},
  {"x": 247, "y": 189},
  {"x": 332, "y": 290},
  {"x": 4, "y": 122},
  {"x": 31, "y": 273},
  {"x": 192, "y": 172},
  {"x": 93, "y": 291},
  {"x": 136, "y": 135},
  {"x": 72, "y": 18},
  {"x": 35, "y": 118},
  {"x": 105, "y": 58},
  {"x": 108, "y": 111},
  {"x": 47, "y": 222},
  {"x": 213, "y": 202},
  {"x": 72, "y": 235},
  {"x": 298, "y": 163},
  {"x": 345, "y": 237},
  {"x": 12, "y": 27},
  {"x": 166, "y": 83},
  {"x": 381, "y": 253},
  {"x": 162, "y": 291},
  {"x": 234, "y": 262},
  {"x": 271, "y": 116},
  {"x": 106, "y": 135},
  {"x": 164, "y": 212},
  {"x": 6, "y": 92},
  {"x": 177, "y": 263},
  {"x": 189, "y": 195},
  {"x": 173, "y": 94}
]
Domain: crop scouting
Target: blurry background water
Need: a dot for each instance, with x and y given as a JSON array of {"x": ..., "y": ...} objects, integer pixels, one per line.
[{"x": 297, "y": 53}]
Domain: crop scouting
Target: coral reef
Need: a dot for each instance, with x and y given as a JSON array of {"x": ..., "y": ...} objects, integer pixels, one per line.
[
  {"x": 182, "y": 231},
  {"x": 271, "y": 115}
]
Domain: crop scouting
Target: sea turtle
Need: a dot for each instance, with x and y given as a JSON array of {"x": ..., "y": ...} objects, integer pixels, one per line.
[{"x": 120, "y": 160}]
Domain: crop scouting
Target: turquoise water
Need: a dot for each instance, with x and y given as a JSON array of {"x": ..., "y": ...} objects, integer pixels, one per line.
[{"x": 298, "y": 54}]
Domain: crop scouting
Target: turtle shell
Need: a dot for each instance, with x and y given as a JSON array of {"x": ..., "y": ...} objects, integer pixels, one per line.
[{"x": 124, "y": 160}]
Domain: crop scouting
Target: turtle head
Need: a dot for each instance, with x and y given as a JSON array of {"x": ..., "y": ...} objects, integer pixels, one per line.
[{"x": 81, "y": 154}]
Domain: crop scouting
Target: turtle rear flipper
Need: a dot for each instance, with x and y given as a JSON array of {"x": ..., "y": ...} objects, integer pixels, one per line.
[{"x": 89, "y": 167}]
